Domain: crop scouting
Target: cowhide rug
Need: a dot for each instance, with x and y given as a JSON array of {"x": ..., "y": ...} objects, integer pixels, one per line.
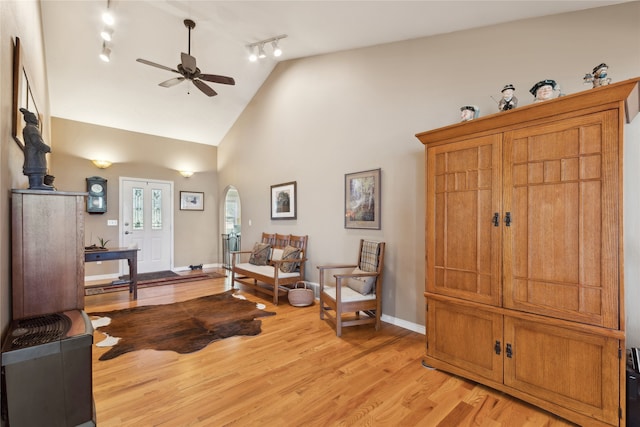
[{"x": 183, "y": 327}]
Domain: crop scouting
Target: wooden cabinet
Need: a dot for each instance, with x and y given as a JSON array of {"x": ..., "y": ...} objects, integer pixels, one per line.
[
  {"x": 524, "y": 287},
  {"x": 47, "y": 252}
]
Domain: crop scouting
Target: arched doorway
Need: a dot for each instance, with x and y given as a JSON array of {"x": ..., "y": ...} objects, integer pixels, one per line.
[{"x": 232, "y": 225}]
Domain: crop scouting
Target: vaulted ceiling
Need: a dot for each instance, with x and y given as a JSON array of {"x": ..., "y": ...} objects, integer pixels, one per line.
[{"x": 125, "y": 94}]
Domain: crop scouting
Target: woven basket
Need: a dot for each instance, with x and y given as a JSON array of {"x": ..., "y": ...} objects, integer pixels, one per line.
[{"x": 300, "y": 297}]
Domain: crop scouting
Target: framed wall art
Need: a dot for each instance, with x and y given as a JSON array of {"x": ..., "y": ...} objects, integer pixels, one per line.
[
  {"x": 191, "y": 201},
  {"x": 362, "y": 199},
  {"x": 283, "y": 201},
  {"x": 22, "y": 96}
]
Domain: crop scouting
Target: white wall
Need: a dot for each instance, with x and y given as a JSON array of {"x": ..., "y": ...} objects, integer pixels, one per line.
[{"x": 317, "y": 118}]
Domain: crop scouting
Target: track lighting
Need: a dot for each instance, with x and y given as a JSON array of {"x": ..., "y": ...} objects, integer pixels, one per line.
[
  {"x": 107, "y": 33},
  {"x": 105, "y": 55},
  {"x": 257, "y": 49}
]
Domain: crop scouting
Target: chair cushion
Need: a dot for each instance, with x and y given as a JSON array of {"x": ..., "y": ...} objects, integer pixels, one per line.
[
  {"x": 290, "y": 252},
  {"x": 363, "y": 285},
  {"x": 260, "y": 254},
  {"x": 265, "y": 270},
  {"x": 347, "y": 294}
]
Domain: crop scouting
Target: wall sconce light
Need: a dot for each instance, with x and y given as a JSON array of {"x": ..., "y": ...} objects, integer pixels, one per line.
[
  {"x": 186, "y": 174},
  {"x": 259, "y": 48},
  {"x": 101, "y": 164}
]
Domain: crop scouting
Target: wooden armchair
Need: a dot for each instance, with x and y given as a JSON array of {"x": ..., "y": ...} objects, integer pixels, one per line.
[{"x": 354, "y": 292}]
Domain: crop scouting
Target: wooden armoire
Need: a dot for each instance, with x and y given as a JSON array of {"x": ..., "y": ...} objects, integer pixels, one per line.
[{"x": 524, "y": 252}]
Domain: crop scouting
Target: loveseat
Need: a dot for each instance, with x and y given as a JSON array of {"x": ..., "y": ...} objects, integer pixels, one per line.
[{"x": 274, "y": 265}]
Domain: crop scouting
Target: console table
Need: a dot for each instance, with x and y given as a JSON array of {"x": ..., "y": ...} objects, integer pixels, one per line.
[{"x": 131, "y": 255}]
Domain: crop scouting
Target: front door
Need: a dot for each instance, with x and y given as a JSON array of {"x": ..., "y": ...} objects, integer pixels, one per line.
[{"x": 146, "y": 221}]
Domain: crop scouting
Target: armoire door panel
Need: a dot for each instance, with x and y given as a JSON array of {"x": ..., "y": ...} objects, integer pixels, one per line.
[
  {"x": 574, "y": 369},
  {"x": 463, "y": 245},
  {"x": 465, "y": 337},
  {"x": 561, "y": 251}
]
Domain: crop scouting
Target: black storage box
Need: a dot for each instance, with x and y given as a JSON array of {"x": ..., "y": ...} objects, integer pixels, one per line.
[
  {"x": 633, "y": 398},
  {"x": 46, "y": 371}
]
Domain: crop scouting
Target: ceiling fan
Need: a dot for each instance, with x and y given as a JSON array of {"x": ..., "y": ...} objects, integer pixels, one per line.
[{"x": 188, "y": 70}]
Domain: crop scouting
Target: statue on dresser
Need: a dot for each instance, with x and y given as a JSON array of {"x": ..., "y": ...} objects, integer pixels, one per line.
[
  {"x": 599, "y": 76},
  {"x": 469, "y": 112},
  {"x": 543, "y": 90},
  {"x": 35, "y": 151},
  {"x": 508, "y": 100}
]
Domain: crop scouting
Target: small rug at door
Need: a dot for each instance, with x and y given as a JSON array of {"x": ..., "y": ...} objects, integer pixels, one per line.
[
  {"x": 146, "y": 280},
  {"x": 183, "y": 327}
]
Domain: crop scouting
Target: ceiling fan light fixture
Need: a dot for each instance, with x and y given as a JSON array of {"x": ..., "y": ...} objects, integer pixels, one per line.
[
  {"x": 105, "y": 55},
  {"x": 107, "y": 34}
]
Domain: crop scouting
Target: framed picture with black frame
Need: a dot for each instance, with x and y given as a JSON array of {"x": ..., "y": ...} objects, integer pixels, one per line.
[
  {"x": 191, "y": 201},
  {"x": 362, "y": 199},
  {"x": 284, "y": 201}
]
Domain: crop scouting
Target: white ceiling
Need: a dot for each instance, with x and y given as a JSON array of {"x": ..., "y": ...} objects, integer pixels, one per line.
[{"x": 125, "y": 94}]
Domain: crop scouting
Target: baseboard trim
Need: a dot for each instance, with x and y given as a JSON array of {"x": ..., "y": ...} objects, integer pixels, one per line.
[
  {"x": 421, "y": 329},
  {"x": 388, "y": 319}
]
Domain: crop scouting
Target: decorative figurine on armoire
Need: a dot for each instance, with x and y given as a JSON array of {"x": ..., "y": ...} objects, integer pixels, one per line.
[
  {"x": 35, "y": 151},
  {"x": 543, "y": 90},
  {"x": 469, "y": 112},
  {"x": 508, "y": 100},
  {"x": 599, "y": 76}
]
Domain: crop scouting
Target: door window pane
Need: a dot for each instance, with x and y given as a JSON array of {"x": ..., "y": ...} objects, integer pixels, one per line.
[
  {"x": 156, "y": 209},
  {"x": 138, "y": 208}
]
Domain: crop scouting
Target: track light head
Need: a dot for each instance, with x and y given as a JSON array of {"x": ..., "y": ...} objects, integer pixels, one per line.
[
  {"x": 108, "y": 18},
  {"x": 252, "y": 54},
  {"x": 105, "y": 55},
  {"x": 261, "y": 53},
  {"x": 276, "y": 49},
  {"x": 107, "y": 34}
]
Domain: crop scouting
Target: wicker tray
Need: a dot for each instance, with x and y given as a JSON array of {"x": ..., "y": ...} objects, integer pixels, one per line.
[{"x": 300, "y": 296}]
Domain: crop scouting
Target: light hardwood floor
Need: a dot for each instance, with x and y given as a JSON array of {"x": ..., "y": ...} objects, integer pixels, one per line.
[{"x": 295, "y": 373}]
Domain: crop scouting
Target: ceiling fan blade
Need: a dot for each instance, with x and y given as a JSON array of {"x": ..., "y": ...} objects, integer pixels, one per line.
[
  {"x": 217, "y": 79},
  {"x": 204, "y": 88},
  {"x": 188, "y": 62},
  {"x": 171, "y": 82},
  {"x": 153, "y": 64}
]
